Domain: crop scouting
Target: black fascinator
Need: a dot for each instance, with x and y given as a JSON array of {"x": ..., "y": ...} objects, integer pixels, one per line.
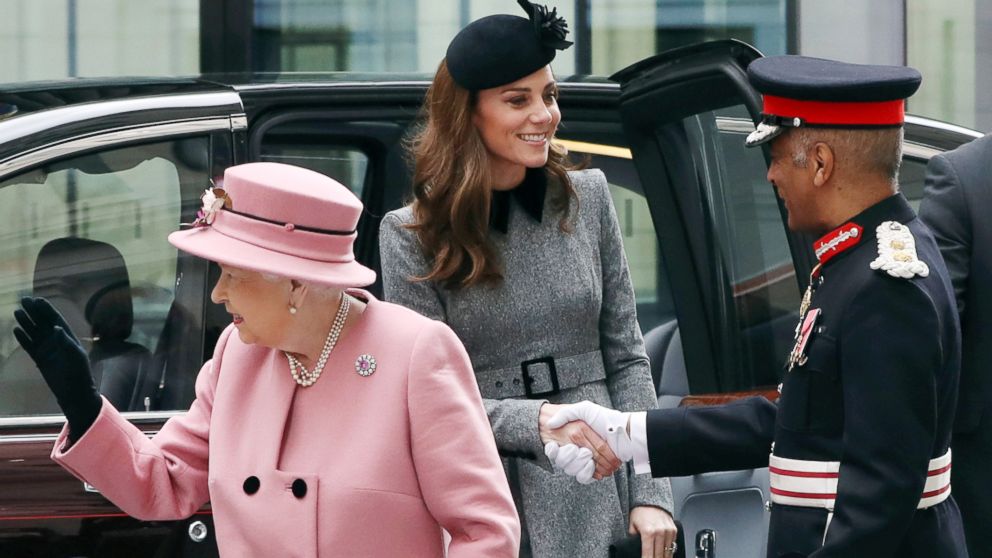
[
  {"x": 500, "y": 49},
  {"x": 550, "y": 28}
]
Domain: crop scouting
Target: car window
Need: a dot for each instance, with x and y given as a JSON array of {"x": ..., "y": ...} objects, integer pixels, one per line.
[
  {"x": 89, "y": 233},
  {"x": 752, "y": 239},
  {"x": 655, "y": 305},
  {"x": 911, "y": 177},
  {"x": 641, "y": 246},
  {"x": 347, "y": 165}
]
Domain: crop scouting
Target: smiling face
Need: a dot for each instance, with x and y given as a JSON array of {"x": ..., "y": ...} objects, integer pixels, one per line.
[
  {"x": 794, "y": 183},
  {"x": 516, "y": 122},
  {"x": 258, "y": 306}
]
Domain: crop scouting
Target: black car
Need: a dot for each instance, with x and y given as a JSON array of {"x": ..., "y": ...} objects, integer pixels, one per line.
[{"x": 95, "y": 174}]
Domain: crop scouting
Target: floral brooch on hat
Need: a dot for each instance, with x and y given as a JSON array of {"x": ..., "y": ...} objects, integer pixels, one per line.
[
  {"x": 214, "y": 199},
  {"x": 550, "y": 27}
]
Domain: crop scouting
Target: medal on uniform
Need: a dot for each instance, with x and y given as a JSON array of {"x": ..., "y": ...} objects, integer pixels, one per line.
[
  {"x": 828, "y": 246},
  {"x": 798, "y": 355},
  {"x": 807, "y": 297}
]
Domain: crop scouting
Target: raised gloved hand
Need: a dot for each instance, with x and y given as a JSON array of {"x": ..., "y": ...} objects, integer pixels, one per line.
[
  {"x": 572, "y": 460},
  {"x": 63, "y": 362},
  {"x": 610, "y": 424}
]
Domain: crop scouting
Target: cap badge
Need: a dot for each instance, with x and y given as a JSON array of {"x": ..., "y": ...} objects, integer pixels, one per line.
[
  {"x": 762, "y": 132},
  {"x": 897, "y": 252},
  {"x": 365, "y": 365}
]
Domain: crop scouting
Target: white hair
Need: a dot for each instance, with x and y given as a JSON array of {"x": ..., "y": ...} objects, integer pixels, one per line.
[
  {"x": 321, "y": 291},
  {"x": 866, "y": 150}
]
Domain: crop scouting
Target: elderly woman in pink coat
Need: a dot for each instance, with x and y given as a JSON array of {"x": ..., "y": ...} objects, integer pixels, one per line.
[{"x": 327, "y": 423}]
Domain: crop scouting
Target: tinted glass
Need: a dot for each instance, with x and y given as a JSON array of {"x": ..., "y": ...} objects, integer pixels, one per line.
[
  {"x": 48, "y": 39},
  {"x": 89, "y": 234},
  {"x": 653, "y": 293},
  {"x": 949, "y": 42},
  {"x": 347, "y": 165},
  {"x": 751, "y": 237},
  {"x": 405, "y": 35},
  {"x": 912, "y": 174}
]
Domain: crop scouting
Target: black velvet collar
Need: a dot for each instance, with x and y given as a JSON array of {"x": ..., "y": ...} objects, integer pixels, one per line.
[{"x": 529, "y": 195}]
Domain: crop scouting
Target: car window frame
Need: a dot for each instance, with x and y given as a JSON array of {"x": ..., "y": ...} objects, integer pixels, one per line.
[{"x": 78, "y": 138}]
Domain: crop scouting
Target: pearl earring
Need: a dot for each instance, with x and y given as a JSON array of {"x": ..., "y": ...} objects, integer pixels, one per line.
[{"x": 292, "y": 310}]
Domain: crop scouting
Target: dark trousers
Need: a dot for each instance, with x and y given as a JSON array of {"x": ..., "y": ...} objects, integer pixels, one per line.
[{"x": 971, "y": 484}]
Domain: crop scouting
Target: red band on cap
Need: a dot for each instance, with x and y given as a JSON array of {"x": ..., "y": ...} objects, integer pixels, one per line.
[{"x": 882, "y": 113}]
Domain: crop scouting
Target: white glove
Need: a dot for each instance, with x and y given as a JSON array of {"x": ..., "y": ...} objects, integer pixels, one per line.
[
  {"x": 610, "y": 424},
  {"x": 574, "y": 461}
]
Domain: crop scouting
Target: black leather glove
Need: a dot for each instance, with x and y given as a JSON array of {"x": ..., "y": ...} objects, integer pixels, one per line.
[{"x": 63, "y": 362}]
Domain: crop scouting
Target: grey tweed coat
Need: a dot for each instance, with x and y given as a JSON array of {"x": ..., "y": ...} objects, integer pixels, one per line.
[{"x": 566, "y": 296}]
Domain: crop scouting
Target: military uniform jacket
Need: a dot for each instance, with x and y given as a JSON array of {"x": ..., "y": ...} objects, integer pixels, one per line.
[{"x": 874, "y": 388}]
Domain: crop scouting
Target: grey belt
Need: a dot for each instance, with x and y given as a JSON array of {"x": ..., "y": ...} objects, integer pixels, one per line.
[{"x": 541, "y": 377}]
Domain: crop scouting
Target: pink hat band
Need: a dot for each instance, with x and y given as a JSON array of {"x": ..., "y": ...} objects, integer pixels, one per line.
[{"x": 304, "y": 242}]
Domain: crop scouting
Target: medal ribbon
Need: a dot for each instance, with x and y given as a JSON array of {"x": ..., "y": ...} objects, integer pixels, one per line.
[{"x": 828, "y": 246}]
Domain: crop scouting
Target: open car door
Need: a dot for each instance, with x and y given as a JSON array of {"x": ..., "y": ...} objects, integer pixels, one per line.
[{"x": 731, "y": 261}]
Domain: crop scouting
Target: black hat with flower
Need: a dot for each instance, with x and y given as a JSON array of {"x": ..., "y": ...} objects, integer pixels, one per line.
[{"x": 500, "y": 49}]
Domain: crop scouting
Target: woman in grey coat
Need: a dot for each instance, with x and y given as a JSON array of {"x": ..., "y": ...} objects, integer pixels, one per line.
[{"x": 523, "y": 259}]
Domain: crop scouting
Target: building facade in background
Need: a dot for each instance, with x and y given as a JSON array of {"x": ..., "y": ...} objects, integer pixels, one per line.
[{"x": 948, "y": 40}]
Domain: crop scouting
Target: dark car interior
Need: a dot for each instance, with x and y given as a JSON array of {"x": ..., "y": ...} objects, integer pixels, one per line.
[{"x": 87, "y": 281}]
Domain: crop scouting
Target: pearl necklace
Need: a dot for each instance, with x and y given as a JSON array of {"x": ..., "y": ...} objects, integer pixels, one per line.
[{"x": 306, "y": 378}]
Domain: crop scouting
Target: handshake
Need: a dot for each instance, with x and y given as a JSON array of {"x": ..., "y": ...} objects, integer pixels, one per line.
[{"x": 585, "y": 440}]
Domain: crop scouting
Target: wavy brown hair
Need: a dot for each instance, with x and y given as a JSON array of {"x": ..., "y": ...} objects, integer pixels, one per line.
[{"x": 452, "y": 188}]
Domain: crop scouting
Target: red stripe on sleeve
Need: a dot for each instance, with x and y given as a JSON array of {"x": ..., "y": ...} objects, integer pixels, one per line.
[
  {"x": 807, "y": 495},
  {"x": 805, "y": 474}
]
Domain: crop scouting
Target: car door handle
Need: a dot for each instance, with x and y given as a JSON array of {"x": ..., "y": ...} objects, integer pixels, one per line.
[{"x": 706, "y": 543}]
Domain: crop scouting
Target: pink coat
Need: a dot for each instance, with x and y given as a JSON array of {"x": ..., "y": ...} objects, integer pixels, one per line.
[{"x": 353, "y": 466}]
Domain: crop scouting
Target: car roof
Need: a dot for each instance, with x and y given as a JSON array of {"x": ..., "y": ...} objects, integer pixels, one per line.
[
  {"x": 26, "y": 97},
  {"x": 19, "y": 99}
]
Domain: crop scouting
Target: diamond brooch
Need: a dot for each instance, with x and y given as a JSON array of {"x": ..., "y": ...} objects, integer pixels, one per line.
[{"x": 365, "y": 365}]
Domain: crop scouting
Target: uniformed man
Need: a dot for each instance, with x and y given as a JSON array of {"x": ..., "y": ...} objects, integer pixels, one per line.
[{"x": 858, "y": 444}]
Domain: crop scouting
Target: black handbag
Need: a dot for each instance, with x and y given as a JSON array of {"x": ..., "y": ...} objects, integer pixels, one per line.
[{"x": 630, "y": 545}]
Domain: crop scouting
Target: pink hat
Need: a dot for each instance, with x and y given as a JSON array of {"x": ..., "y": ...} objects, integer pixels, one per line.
[{"x": 280, "y": 219}]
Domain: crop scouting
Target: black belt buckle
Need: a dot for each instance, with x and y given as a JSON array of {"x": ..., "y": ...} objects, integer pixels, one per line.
[{"x": 528, "y": 380}]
